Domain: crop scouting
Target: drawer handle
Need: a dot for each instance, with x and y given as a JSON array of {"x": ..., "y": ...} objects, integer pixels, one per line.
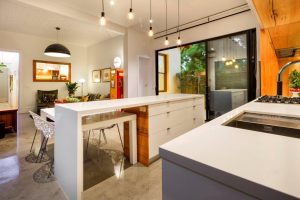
[
  {"x": 194, "y": 106},
  {"x": 194, "y": 119},
  {"x": 168, "y": 113},
  {"x": 168, "y": 129}
]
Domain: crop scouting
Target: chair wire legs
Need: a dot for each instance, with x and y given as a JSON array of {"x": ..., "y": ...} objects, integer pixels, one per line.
[
  {"x": 42, "y": 149},
  {"x": 120, "y": 136},
  {"x": 33, "y": 140}
]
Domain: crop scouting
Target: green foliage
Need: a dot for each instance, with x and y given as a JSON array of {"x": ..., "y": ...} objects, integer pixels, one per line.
[
  {"x": 192, "y": 75},
  {"x": 294, "y": 79},
  {"x": 72, "y": 87},
  {"x": 193, "y": 59}
]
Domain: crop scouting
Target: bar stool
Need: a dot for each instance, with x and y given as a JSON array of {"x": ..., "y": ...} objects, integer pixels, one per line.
[
  {"x": 36, "y": 124},
  {"x": 47, "y": 128}
]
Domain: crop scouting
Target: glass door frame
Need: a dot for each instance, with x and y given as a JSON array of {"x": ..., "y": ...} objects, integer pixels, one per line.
[{"x": 251, "y": 63}]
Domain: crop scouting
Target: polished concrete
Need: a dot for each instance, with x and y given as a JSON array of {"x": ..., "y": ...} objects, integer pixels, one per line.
[{"x": 16, "y": 175}]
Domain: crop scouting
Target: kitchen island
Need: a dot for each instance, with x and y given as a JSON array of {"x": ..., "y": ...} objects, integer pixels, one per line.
[
  {"x": 216, "y": 162},
  {"x": 159, "y": 119}
]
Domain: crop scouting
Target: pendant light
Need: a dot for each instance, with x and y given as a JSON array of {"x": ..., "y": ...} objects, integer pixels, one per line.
[
  {"x": 150, "y": 33},
  {"x": 2, "y": 65},
  {"x": 178, "y": 39},
  {"x": 167, "y": 39},
  {"x": 130, "y": 14},
  {"x": 102, "y": 20},
  {"x": 56, "y": 49}
]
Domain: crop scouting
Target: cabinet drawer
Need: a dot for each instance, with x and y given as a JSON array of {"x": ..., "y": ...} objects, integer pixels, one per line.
[
  {"x": 159, "y": 108},
  {"x": 158, "y": 138},
  {"x": 172, "y": 118}
]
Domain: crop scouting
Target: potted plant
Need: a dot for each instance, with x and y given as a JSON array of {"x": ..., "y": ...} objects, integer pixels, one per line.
[
  {"x": 294, "y": 83},
  {"x": 72, "y": 87}
]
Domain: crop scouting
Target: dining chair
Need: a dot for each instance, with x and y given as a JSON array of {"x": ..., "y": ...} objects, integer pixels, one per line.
[{"x": 102, "y": 132}]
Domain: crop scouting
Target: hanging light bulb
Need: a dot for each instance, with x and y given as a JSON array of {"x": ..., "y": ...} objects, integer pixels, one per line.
[
  {"x": 130, "y": 14},
  {"x": 112, "y": 2},
  {"x": 150, "y": 21},
  {"x": 150, "y": 33},
  {"x": 102, "y": 20},
  {"x": 178, "y": 41},
  {"x": 167, "y": 41}
]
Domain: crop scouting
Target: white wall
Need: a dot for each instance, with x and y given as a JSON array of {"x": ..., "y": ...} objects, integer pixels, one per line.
[
  {"x": 100, "y": 56},
  {"x": 174, "y": 63},
  {"x": 136, "y": 44},
  {"x": 30, "y": 48}
]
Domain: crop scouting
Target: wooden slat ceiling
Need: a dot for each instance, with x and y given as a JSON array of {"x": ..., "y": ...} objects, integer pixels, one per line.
[{"x": 282, "y": 20}]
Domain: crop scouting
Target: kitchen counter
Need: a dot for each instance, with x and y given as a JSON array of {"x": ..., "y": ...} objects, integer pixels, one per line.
[
  {"x": 250, "y": 163},
  {"x": 158, "y": 119}
]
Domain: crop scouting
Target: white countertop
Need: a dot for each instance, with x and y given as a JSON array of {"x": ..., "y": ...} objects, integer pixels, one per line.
[
  {"x": 109, "y": 105},
  {"x": 266, "y": 159}
]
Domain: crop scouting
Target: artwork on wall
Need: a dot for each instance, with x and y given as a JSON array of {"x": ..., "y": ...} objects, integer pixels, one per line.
[
  {"x": 96, "y": 78},
  {"x": 105, "y": 75}
]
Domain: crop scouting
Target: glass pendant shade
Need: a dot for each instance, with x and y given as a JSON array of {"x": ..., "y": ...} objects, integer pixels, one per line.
[
  {"x": 178, "y": 41},
  {"x": 150, "y": 33},
  {"x": 102, "y": 20},
  {"x": 167, "y": 41}
]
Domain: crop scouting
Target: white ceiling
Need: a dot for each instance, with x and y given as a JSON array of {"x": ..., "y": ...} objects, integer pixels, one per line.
[{"x": 79, "y": 18}]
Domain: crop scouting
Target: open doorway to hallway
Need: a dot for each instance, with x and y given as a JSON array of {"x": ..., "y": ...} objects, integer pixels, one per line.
[{"x": 9, "y": 92}]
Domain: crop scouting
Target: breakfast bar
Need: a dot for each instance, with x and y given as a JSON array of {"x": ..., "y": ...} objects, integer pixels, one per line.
[{"x": 152, "y": 121}]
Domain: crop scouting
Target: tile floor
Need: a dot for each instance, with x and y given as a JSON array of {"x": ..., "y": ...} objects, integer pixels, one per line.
[{"x": 16, "y": 175}]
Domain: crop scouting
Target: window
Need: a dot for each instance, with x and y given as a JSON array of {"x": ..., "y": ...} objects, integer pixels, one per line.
[{"x": 162, "y": 72}]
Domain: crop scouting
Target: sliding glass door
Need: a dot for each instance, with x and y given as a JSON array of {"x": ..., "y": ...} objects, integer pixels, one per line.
[
  {"x": 227, "y": 74},
  {"x": 223, "y": 69}
]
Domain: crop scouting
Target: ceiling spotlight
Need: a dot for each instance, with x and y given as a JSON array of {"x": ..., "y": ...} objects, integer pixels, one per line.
[
  {"x": 167, "y": 41},
  {"x": 178, "y": 41},
  {"x": 102, "y": 20},
  {"x": 112, "y": 2},
  {"x": 150, "y": 33}
]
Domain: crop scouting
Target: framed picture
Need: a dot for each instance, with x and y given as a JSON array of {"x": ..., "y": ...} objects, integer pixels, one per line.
[
  {"x": 105, "y": 75},
  {"x": 96, "y": 76},
  {"x": 49, "y": 71}
]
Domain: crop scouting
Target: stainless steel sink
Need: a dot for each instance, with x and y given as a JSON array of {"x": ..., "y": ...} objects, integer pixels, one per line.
[{"x": 274, "y": 124}]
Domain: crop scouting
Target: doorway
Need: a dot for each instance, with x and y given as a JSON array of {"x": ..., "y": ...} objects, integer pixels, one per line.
[{"x": 144, "y": 78}]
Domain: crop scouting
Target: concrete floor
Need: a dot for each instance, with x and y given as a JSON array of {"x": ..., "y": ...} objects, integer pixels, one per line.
[{"x": 16, "y": 175}]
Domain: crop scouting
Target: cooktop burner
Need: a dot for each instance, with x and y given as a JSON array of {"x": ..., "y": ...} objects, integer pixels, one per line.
[{"x": 278, "y": 99}]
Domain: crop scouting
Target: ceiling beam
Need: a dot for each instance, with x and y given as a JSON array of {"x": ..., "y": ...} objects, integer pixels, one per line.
[{"x": 74, "y": 14}]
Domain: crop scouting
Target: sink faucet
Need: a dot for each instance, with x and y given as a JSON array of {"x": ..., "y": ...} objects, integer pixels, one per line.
[{"x": 279, "y": 76}]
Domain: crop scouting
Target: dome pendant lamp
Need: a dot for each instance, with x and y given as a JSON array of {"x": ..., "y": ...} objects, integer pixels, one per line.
[{"x": 57, "y": 50}]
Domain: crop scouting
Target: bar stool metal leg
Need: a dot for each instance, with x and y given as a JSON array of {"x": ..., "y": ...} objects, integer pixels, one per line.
[{"x": 33, "y": 140}]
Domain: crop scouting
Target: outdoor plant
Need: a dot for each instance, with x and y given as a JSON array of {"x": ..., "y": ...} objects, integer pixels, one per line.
[
  {"x": 72, "y": 87},
  {"x": 294, "y": 81}
]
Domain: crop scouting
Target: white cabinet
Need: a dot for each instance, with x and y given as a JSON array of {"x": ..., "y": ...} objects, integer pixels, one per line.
[{"x": 172, "y": 119}]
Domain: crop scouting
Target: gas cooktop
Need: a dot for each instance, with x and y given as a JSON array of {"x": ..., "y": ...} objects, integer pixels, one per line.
[{"x": 278, "y": 99}]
